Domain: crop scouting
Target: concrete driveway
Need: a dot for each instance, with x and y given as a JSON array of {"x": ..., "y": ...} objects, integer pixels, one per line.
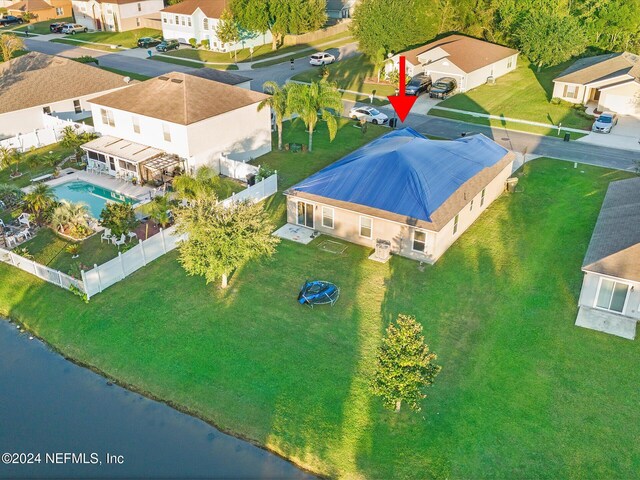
[{"x": 625, "y": 135}]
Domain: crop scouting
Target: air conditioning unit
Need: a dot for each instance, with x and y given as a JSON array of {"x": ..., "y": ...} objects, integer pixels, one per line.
[
  {"x": 383, "y": 250},
  {"x": 491, "y": 80}
]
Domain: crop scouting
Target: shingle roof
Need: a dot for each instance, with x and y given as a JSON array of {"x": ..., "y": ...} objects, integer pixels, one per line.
[
  {"x": 601, "y": 67},
  {"x": 211, "y": 8},
  {"x": 30, "y": 6},
  {"x": 614, "y": 248},
  {"x": 404, "y": 177},
  {"x": 180, "y": 98},
  {"x": 37, "y": 79},
  {"x": 467, "y": 53},
  {"x": 117, "y": 2}
]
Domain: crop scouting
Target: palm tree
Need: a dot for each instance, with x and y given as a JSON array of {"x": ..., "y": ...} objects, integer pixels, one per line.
[
  {"x": 278, "y": 103},
  {"x": 315, "y": 101},
  {"x": 205, "y": 183},
  {"x": 40, "y": 199},
  {"x": 159, "y": 211},
  {"x": 9, "y": 157}
]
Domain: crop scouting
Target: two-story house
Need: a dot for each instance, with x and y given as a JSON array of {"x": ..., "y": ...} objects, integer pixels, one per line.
[
  {"x": 114, "y": 15},
  {"x": 177, "y": 119},
  {"x": 41, "y": 9},
  {"x": 199, "y": 19}
]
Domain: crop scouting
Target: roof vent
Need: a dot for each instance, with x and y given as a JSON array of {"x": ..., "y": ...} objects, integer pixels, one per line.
[
  {"x": 176, "y": 80},
  {"x": 163, "y": 78}
]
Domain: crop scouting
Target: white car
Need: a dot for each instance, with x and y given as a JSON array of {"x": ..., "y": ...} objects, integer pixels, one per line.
[
  {"x": 73, "y": 28},
  {"x": 321, "y": 58},
  {"x": 369, "y": 114}
]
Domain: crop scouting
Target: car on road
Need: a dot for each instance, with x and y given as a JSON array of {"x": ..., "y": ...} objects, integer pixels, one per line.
[
  {"x": 368, "y": 114},
  {"x": 166, "y": 45},
  {"x": 443, "y": 88},
  {"x": 73, "y": 28},
  {"x": 146, "y": 42},
  {"x": 10, "y": 20},
  {"x": 321, "y": 58},
  {"x": 605, "y": 122},
  {"x": 418, "y": 84},
  {"x": 56, "y": 27}
]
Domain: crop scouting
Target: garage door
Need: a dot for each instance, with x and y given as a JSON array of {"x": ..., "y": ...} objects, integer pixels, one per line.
[{"x": 622, "y": 104}]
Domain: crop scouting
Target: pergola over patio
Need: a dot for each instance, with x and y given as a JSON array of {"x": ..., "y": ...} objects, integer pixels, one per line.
[{"x": 156, "y": 167}]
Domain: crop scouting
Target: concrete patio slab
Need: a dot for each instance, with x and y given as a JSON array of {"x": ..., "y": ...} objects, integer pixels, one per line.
[
  {"x": 295, "y": 233},
  {"x": 606, "y": 322}
]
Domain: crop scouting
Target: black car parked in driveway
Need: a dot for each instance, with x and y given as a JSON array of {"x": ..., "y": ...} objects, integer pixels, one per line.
[
  {"x": 443, "y": 88},
  {"x": 167, "y": 45},
  {"x": 10, "y": 20},
  {"x": 56, "y": 27},
  {"x": 146, "y": 42},
  {"x": 418, "y": 84}
]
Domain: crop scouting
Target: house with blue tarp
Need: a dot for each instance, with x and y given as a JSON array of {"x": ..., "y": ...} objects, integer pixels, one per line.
[{"x": 414, "y": 194}]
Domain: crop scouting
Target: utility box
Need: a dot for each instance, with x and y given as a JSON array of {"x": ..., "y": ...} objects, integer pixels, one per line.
[
  {"x": 383, "y": 250},
  {"x": 567, "y": 136},
  {"x": 512, "y": 183}
]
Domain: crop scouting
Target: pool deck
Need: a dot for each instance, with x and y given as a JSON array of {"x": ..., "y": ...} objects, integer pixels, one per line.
[{"x": 142, "y": 194}]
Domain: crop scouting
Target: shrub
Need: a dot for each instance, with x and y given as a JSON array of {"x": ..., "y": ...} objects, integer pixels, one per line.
[
  {"x": 205, "y": 44},
  {"x": 87, "y": 59},
  {"x": 10, "y": 195},
  {"x": 193, "y": 42},
  {"x": 119, "y": 217}
]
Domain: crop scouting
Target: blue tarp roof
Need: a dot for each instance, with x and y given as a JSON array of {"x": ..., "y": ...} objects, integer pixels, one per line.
[{"x": 404, "y": 173}]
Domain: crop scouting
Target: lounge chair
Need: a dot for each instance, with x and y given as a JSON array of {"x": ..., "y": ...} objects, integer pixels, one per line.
[
  {"x": 106, "y": 235},
  {"x": 122, "y": 241},
  {"x": 24, "y": 219}
]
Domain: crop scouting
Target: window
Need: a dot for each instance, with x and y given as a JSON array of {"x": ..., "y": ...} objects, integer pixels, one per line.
[
  {"x": 76, "y": 106},
  {"x": 570, "y": 91},
  {"x": 510, "y": 62},
  {"x": 471, "y": 206},
  {"x": 484, "y": 190},
  {"x": 183, "y": 21},
  {"x": 205, "y": 24},
  {"x": 164, "y": 19},
  {"x": 139, "y": 7},
  {"x": 455, "y": 224},
  {"x": 419, "y": 241},
  {"x": 107, "y": 117},
  {"x": 327, "y": 217},
  {"x": 126, "y": 166},
  {"x": 137, "y": 22},
  {"x": 136, "y": 124},
  {"x": 166, "y": 132},
  {"x": 46, "y": 110},
  {"x": 366, "y": 227},
  {"x": 189, "y": 21},
  {"x": 177, "y": 20},
  {"x": 612, "y": 295},
  {"x": 59, "y": 11}
]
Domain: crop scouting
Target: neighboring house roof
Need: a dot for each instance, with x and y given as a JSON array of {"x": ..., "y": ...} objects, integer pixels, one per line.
[
  {"x": 405, "y": 177},
  {"x": 180, "y": 98},
  {"x": 37, "y": 79},
  {"x": 117, "y": 2},
  {"x": 602, "y": 67},
  {"x": 30, "y": 6},
  {"x": 466, "y": 53},
  {"x": 614, "y": 248},
  {"x": 211, "y": 8},
  {"x": 219, "y": 76}
]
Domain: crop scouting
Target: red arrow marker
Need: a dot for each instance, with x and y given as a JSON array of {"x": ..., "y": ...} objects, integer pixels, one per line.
[{"x": 401, "y": 103}]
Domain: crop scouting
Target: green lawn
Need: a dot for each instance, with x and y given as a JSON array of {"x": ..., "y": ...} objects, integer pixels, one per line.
[
  {"x": 124, "y": 39},
  {"x": 188, "y": 63},
  {"x": 93, "y": 46},
  {"x": 262, "y": 52},
  {"x": 133, "y": 75},
  {"x": 522, "y": 94},
  {"x": 32, "y": 169},
  {"x": 351, "y": 74},
  {"x": 523, "y": 392},
  {"x": 42, "y": 28}
]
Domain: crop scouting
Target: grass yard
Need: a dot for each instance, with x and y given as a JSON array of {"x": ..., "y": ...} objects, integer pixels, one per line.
[
  {"x": 133, "y": 75},
  {"x": 92, "y": 46},
  {"x": 42, "y": 28},
  {"x": 34, "y": 168},
  {"x": 127, "y": 39},
  {"x": 523, "y": 392},
  {"x": 522, "y": 94},
  {"x": 189, "y": 63}
]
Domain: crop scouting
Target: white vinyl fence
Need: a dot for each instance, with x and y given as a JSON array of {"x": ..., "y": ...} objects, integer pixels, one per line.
[
  {"x": 50, "y": 134},
  {"x": 34, "y": 268},
  {"x": 257, "y": 192},
  {"x": 235, "y": 169}
]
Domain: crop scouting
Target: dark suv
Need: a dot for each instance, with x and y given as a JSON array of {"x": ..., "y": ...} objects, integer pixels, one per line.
[
  {"x": 443, "y": 88},
  {"x": 167, "y": 45},
  {"x": 56, "y": 27},
  {"x": 9, "y": 20},
  {"x": 418, "y": 84},
  {"x": 146, "y": 42}
]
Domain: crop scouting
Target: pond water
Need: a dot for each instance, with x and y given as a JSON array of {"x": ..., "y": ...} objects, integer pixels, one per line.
[{"x": 53, "y": 407}]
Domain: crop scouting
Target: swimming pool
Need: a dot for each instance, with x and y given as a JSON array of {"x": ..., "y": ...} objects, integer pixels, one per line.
[{"x": 94, "y": 196}]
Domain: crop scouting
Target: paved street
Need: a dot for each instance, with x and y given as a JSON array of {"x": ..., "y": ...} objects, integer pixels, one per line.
[{"x": 440, "y": 127}]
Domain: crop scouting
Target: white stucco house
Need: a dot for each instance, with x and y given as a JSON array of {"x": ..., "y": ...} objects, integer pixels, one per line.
[
  {"x": 610, "y": 82},
  {"x": 176, "y": 120},
  {"x": 471, "y": 62},
  {"x": 115, "y": 15},
  {"x": 339, "y": 9},
  {"x": 199, "y": 19},
  {"x": 610, "y": 296},
  {"x": 36, "y": 84},
  {"x": 416, "y": 195}
]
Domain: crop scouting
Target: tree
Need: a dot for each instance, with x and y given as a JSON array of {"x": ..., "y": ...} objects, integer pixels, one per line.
[
  {"x": 280, "y": 17},
  {"x": 11, "y": 157},
  {"x": 222, "y": 238},
  {"x": 118, "y": 217},
  {"x": 73, "y": 138},
  {"x": 278, "y": 103},
  {"x": 205, "y": 183},
  {"x": 228, "y": 31},
  {"x": 10, "y": 44},
  {"x": 548, "y": 39},
  {"x": 10, "y": 195},
  {"x": 40, "y": 200},
  {"x": 159, "y": 210},
  {"x": 72, "y": 218},
  {"x": 404, "y": 365},
  {"x": 313, "y": 102}
]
